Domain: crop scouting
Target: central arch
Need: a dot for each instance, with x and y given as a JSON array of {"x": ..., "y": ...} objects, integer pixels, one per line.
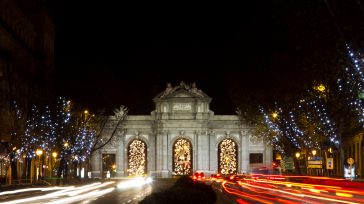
[
  {"x": 228, "y": 157},
  {"x": 182, "y": 157},
  {"x": 137, "y": 158}
]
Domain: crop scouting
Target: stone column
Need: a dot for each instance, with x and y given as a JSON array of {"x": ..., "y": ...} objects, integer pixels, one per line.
[
  {"x": 165, "y": 152},
  {"x": 209, "y": 151},
  {"x": 244, "y": 152},
  {"x": 268, "y": 156},
  {"x": 120, "y": 168},
  {"x": 159, "y": 153},
  {"x": 203, "y": 154},
  {"x": 162, "y": 154},
  {"x": 196, "y": 147},
  {"x": 96, "y": 165},
  {"x": 212, "y": 152}
]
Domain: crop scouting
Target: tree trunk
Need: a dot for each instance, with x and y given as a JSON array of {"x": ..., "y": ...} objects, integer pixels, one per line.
[
  {"x": 340, "y": 166},
  {"x": 14, "y": 172},
  {"x": 60, "y": 171}
]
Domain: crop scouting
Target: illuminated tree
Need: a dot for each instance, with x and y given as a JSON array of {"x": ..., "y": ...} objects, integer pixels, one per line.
[
  {"x": 305, "y": 125},
  {"x": 228, "y": 157},
  {"x": 17, "y": 125},
  {"x": 351, "y": 85},
  {"x": 137, "y": 154},
  {"x": 82, "y": 133},
  {"x": 182, "y": 157}
]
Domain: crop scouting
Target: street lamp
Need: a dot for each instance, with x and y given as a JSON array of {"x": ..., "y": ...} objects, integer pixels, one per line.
[
  {"x": 313, "y": 152},
  {"x": 39, "y": 152},
  {"x": 86, "y": 114},
  {"x": 321, "y": 88},
  {"x": 298, "y": 161},
  {"x": 274, "y": 115},
  {"x": 54, "y": 155},
  {"x": 298, "y": 155}
]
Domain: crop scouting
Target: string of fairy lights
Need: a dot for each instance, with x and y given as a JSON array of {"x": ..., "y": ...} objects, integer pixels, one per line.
[
  {"x": 306, "y": 125},
  {"x": 352, "y": 83},
  {"x": 314, "y": 110},
  {"x": 53, "y": 132},
  {"x": 273, "y": 133}
]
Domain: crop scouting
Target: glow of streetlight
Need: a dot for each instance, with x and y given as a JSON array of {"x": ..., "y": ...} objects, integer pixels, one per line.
[
  {"x": 39, "y": 152},
  {"x": 330, "y": 150},
  {"x": 313, "y": 152},
  {"x": 321, "y": 88},
  {"x": 85, "y": 112},
  {"x": 298, "y": 155},
  {"x": 65, "y": 144},
  {"x": 274, "y": 115},
  {"x": 54, "y": 154}
]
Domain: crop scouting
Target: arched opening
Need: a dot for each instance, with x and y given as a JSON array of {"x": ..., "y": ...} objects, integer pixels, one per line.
[
  {"x": 137, "y": 158},
  {"x": 182, "y": 157},
  {"x": 228, "y": 157}
]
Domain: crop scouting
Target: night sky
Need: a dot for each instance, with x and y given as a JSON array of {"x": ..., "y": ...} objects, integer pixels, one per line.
[{"x": 110, "y": 53}]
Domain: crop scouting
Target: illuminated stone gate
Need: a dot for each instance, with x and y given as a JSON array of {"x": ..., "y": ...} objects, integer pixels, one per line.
[{"x": 182, "y": 135}]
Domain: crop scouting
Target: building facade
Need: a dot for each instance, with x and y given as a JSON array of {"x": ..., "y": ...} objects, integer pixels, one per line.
[
  {"x": 182, "y": 135},
  {"x": 354, "y": 149},
  {"x": 26, "y": 66}
]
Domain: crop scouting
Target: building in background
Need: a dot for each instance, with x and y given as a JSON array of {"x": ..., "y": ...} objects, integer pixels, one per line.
[
  {"x": 354, "y": 151},
  {"x": 182, "y": 135},
  {"x": 26, "y": 60}
]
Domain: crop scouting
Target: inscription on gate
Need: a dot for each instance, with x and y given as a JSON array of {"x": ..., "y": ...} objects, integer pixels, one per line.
[{"x": 182, "y": 106}]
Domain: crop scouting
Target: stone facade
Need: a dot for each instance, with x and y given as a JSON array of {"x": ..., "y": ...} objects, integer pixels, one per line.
[
  {"x": 26, "y": 68},
  {"x": 26, "y": 57},
  {"x": 182, "y": 112}
]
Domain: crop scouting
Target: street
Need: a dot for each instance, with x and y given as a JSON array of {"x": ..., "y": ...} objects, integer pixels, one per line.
[
  {"x": 279, "y": 190},
  {"x": 133, "y": 190},
  {"x": 113, "y": 191}
]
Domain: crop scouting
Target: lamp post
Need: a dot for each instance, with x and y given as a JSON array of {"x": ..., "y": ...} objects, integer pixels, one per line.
[
  {"x": 298, "y": 162},
  {"x": 39, "y": 152},
  {"x": 313, "y": 155},
  {"x": 65, "y": 162},
  {"x": 54, "y": 155}
]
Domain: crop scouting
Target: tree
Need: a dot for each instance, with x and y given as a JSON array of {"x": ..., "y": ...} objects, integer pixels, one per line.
[
  {"x": 83, "y": 134},
  {"x": 16, "y": 129},
  {"x": 303, "y": 125},
  {"x": 101, "y": 141}
]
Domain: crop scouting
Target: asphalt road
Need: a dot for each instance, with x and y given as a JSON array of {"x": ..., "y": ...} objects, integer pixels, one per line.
[{"x": 112, "y": 191}]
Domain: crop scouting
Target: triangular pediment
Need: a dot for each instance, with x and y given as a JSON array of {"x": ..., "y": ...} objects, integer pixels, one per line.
[
  {"x": 182, "y": 91},
  {"x": 181, "y": 94}
]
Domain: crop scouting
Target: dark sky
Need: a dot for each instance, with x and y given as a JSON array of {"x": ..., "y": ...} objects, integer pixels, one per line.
[{"x": 110, "y": 53}]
